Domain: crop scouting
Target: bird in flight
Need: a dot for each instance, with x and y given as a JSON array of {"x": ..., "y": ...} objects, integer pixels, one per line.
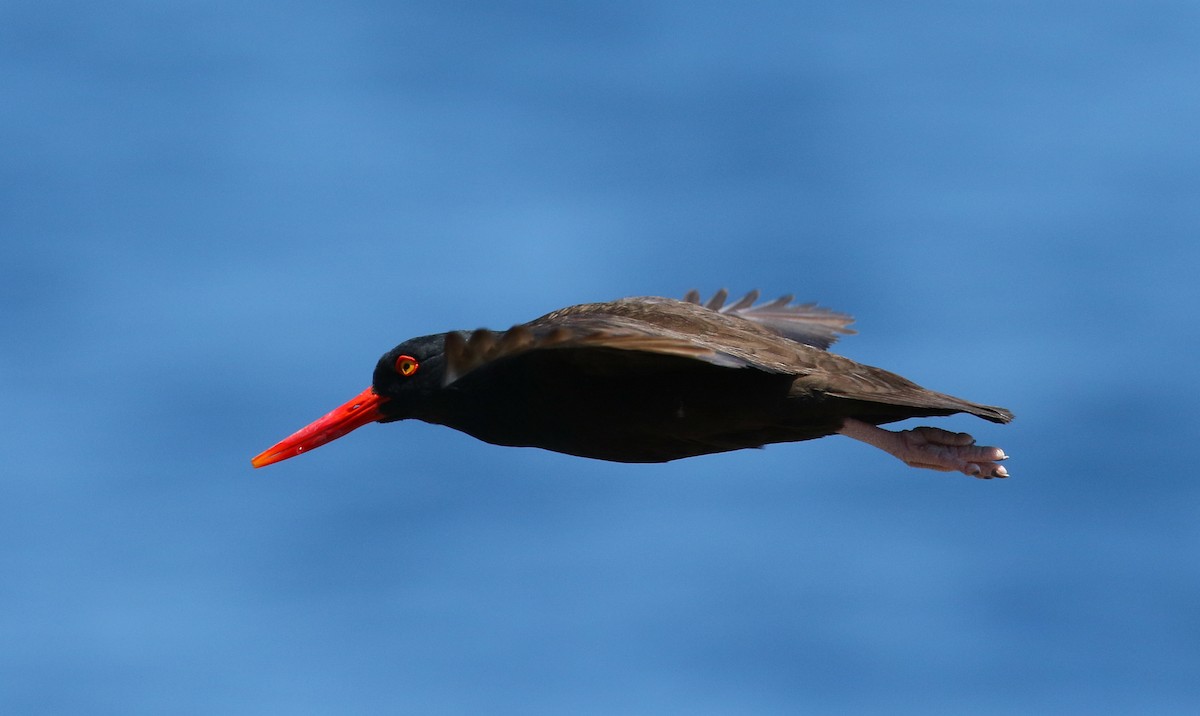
[{"x": 654, "y": 379}]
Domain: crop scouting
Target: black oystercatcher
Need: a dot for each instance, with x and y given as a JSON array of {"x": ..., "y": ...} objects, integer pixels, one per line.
[{"x": 656, "y": 379}]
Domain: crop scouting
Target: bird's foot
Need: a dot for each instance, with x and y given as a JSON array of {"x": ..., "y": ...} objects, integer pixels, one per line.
[{"x": 932, "y": 448}]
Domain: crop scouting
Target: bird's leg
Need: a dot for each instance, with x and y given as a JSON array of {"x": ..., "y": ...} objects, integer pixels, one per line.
[{"x": 933, "y": 448}]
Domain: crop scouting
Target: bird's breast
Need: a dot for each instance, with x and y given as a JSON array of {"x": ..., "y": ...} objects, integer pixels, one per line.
[{"x": 652, "y": 415}]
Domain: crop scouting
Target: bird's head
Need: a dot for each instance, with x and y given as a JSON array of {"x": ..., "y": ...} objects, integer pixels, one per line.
[
  {"x": 407, "y": 375},
  {"x": 405, "y": 379}
]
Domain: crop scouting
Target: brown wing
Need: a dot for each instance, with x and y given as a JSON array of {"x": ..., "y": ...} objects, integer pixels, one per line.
[
  {"x": 834, "y": 375},
  {"x": 831, "y": 374},
  {"x": 805, "y": 323},
  {"x": 685, "y": 329},
  {"x": 466, "y": 352},
  {"x": 660, "y": 326}
]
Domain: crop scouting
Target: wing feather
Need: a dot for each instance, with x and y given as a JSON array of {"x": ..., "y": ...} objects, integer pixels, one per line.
[
  {"x": 467, "y": 351},
  {"x": 718, "y": 300},
  {"x": 774, "y": 337},
  {"x": 805, "y": 323}
]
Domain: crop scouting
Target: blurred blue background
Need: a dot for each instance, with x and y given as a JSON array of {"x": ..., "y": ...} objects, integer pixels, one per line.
[{"x": 216, "y": 215}]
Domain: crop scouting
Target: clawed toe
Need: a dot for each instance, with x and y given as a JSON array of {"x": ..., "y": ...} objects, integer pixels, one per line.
[
  {"x": 943, "y": 450},
  {"x": 933, "y": 448}
]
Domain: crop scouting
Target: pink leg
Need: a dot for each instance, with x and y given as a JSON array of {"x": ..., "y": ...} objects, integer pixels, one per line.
[{"x": 932, "y": 448}]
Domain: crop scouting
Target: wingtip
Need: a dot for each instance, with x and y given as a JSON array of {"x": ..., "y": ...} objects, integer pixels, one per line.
[{"x": 995, "y": 414}]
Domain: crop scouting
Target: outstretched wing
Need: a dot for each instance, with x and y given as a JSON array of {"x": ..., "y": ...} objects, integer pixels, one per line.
[
  {"x": 775, "y": 337},
  {"x": 805, "y": 323},
  {"x": 772, "y": 338},
  {"x": 466, "y": 351}
]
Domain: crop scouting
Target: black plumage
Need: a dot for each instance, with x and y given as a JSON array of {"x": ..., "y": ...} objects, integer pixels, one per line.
[{"x": 653, "y": 379}]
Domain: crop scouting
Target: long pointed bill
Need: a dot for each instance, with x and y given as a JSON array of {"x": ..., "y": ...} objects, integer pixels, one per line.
[{"x": 363, "y": 409}]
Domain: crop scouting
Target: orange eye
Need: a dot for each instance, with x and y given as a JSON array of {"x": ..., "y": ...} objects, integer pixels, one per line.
[{"x": 406, "y": 365}]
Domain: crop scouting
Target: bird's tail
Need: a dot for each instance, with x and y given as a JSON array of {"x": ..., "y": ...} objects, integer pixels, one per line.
[
  {"x": 916, "y": 402},
  {"x": 941, "y": 402},
  {"x": 989, "y": 412}
]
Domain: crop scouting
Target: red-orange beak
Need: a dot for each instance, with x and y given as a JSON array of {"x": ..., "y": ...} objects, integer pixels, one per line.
[{"x": 363, "y": 409}]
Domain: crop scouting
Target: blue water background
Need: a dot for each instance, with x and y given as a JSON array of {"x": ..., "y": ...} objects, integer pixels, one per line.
[{"x": 214, "y": 216}]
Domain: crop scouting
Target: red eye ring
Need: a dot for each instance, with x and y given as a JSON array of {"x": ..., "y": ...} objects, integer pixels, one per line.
[{"x": 406, "y": 365}]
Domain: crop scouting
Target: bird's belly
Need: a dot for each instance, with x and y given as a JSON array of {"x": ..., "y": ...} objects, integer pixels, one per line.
[{"x": 644, "y": 419}]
